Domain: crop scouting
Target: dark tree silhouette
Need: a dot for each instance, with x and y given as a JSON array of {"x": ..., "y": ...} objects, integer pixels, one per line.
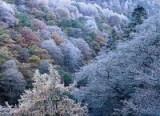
[{"x": 138, "y": 16}]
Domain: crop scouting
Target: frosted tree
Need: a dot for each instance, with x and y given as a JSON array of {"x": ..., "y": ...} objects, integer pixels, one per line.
[
  {"x": 138, "y": 16},
  {"x": 83, "y": 46},
  {"x": 48, "y": 97},
  {"x": 72, "y": 56},
  {"x": 7, "y": 14},
  {"x": 53, "y": 50},
  {"x": 90, "y": 25},
  {"x": 62, "y": 12},
  {"x": 126, "y": 77},
  {"x": 87, "y": 9},
  {"x": 39, "y": 24},
  {"x": 12, "y": 83}
]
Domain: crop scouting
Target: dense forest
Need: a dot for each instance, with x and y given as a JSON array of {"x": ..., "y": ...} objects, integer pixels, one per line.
[{"x": 79, "y": 58}]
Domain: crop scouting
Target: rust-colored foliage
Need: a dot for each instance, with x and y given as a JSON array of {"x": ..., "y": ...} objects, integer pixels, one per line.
[
  {"x": 29, "y": 36},
  {"x": 57, "y": 37},
  {"x": 101, "y": 40}
]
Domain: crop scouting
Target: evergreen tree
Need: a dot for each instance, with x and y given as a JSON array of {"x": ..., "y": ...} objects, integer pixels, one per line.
[{"x": 138, "y": 16}]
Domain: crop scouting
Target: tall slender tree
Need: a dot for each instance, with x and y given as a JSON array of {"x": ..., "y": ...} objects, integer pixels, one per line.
[{"x": 138, "y": 16}]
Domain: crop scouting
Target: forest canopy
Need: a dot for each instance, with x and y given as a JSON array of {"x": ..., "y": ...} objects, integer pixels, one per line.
[{"x": 79, "y": 57}]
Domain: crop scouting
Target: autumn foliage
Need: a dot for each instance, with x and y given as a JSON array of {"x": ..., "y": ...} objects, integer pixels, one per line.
[
  {"x": 57, "y": 37},
  {"x": 101, "y": 40},
  {"x": 29, "y": 36}
]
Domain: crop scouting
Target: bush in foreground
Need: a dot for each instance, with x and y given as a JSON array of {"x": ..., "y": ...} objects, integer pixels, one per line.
[{"x": 48, "y": 97}]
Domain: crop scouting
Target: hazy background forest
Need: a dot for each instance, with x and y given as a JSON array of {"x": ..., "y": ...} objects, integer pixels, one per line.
[{"x": 79, "y": 58}]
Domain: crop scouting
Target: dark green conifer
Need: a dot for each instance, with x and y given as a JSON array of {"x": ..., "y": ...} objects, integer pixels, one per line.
[{"x": 138, "y": 16}]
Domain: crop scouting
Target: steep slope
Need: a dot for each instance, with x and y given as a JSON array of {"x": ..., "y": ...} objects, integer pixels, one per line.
[
  {"x": 126, "y": 6},
  {"x": 125, "y": 81},
  {"x": 66, "y": 33}
]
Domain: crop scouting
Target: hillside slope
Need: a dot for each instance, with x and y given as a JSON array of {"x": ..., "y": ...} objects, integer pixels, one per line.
[{"x": 76, "y": 37}]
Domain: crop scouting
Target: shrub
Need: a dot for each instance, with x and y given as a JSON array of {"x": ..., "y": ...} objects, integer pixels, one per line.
[
  {"x": 71, "y": 96},
  {"x": 66, "y": 77}
]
